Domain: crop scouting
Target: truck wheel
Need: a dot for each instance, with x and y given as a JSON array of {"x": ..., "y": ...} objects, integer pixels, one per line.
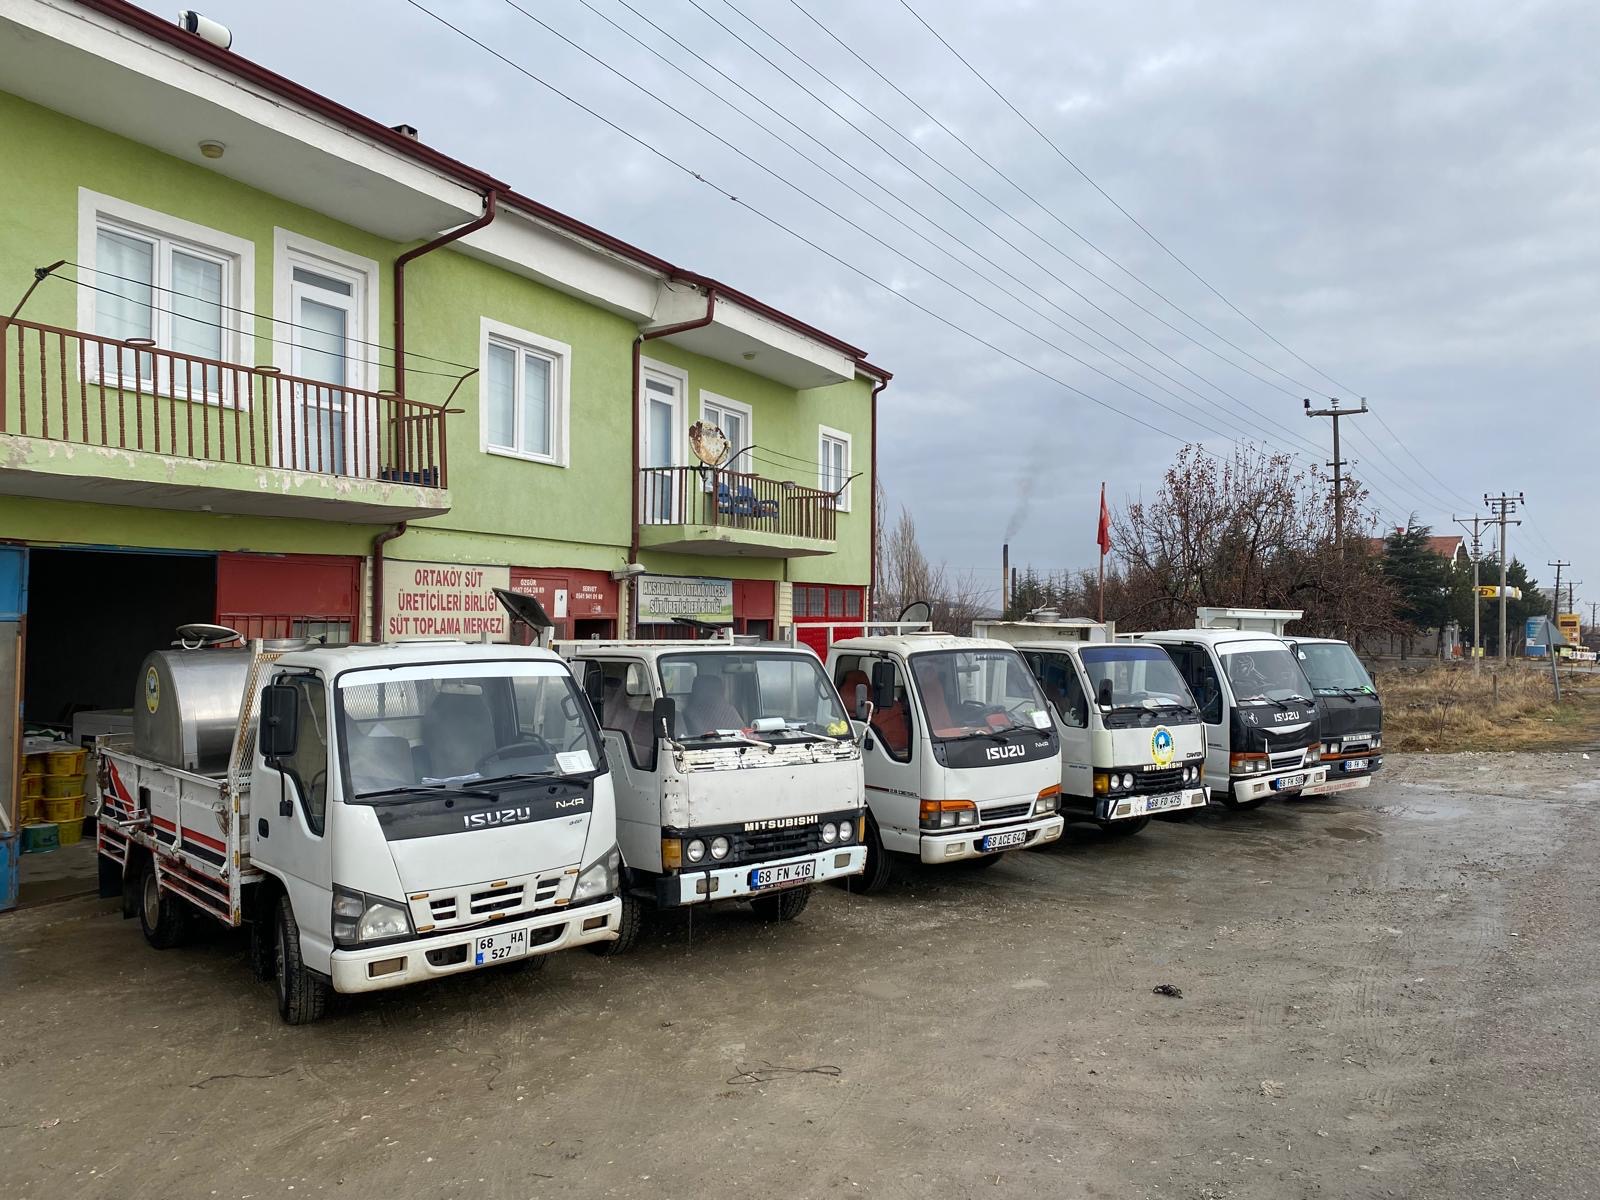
[
  {"x": 785, "y": 906},
  {"x": 302, "y": 997},
  {"x": 528, "y": 964},
  {"x": 1244, "y": 805},
  {"x": 879, "y": 868},
  {"x": 629, "y": 926},
  {"x": 163, "y": 917},
  {"x": 1124, "y": 828}
]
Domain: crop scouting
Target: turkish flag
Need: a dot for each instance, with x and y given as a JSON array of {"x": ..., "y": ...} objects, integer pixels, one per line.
[{"x": 1104, "y": 535}]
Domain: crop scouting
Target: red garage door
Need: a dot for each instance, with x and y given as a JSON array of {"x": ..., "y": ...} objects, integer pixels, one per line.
[
  {"x": 290, "y": 595},
  {"x": 583, "y": 604},
  {"x": 817, "y": 604}
]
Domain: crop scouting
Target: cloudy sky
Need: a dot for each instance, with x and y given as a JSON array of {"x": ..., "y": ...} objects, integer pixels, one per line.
[{"x": 1404, "y": 195}]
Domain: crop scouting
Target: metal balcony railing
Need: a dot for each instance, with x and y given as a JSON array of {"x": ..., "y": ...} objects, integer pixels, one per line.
[
  {"x": 65, "y": 385},
  {"x": 735, "y": 500}
]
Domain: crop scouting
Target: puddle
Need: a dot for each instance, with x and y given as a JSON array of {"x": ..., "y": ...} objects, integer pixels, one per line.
[{"x": 1347, "y": 834}]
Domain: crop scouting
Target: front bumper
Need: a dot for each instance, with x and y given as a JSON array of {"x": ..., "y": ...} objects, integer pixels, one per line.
[
  {"x": 1127, "y": 808},
  {"x": 727, "y": 883},
  {"x": 953, "y": 847},
  {"x": 1340, "y": 780},
  {"x": 452, "y": 953},
  {"x": 1264, "y": 787}
]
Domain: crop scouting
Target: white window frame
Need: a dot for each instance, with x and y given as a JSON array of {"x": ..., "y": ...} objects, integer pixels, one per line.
[
  {"x": 745, "y": 463},
  {"x": 560, "y": 356},
  {"x": 825, "y": 434},
  {"x": 291, "y": 250},
  {"x": 680, "y": 433},
  {"x": 238, "y": 259}
]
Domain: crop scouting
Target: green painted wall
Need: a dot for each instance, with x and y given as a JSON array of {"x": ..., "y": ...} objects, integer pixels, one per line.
[{"x": 505, "y": 510}]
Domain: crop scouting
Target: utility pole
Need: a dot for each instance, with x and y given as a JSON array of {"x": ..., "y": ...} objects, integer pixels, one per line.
[
  {"x": 1477, "y": 601},
  {"x": 1337, "y": 464},
  {"x": 1503, "y": 505},
  {"x": 1555, "y": 596}
]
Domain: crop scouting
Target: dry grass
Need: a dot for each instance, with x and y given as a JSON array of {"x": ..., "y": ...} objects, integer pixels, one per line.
[{"x": 1446, "y": 709}]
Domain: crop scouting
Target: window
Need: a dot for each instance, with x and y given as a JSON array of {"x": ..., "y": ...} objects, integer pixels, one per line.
[
  {"x": 167, "y": 282},
  {"x": 524, "y": 395},
  {"x": 833, "y": 471},
  {"x": 308, "y": 766},
  {"x": 737, "y": 424},
  {"x": 627, "y": 708},
  {"x": 1194, "y": 664},
  {"x": 892, "y": 722},
  {"x": 1059, "y": 678}
]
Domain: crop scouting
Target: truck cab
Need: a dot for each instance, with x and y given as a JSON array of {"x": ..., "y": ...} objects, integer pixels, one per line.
[
  {"x": 738, "y": 773},
  {"x": 1261, "y": 719},
  {"x": 961, "y": 756},
  {"x": 1352, "y": 713}
]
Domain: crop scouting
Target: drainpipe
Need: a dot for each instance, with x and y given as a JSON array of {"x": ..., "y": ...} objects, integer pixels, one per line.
[
  {"x": 872, "y": 499},
  {"x": 490, "y": 204},
  {"x": 638, "y": 342},
  {"x": 378, "y": 543}
]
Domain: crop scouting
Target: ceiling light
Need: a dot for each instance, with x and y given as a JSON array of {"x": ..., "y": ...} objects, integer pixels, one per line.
[{"x": 212, "y": 149}]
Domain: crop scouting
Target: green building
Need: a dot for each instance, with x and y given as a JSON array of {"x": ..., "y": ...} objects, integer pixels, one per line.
[{"x": 280, "y": 367}]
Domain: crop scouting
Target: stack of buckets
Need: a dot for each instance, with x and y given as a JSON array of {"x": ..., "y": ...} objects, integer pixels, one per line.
[{"x": 51, "y": 813}]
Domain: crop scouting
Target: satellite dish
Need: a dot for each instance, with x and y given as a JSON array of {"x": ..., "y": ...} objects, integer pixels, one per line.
[
  {"x": 918, "y": 612},
  {"x": 710, "y": 444},
  {"x": 198, "y": 635},
  {"x": 524, "y": 608}
]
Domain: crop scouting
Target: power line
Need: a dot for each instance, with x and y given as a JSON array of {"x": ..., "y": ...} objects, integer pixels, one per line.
[{"x": 1172, "y": 254}]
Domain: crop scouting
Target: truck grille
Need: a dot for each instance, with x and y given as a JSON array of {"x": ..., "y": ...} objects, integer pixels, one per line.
[
  {"x": 1006, "y": 812},
  {"x": 469, "y": 906},
  {"x": 1293, "y": 758},
  {"x": 1168, "y": 779},
  {"x": 775, "y": 843}
]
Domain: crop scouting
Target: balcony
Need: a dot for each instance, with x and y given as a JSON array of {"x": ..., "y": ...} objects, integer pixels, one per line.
[
  {"x": 703, "y": 511},
  {"x": 85, "y": 417}
]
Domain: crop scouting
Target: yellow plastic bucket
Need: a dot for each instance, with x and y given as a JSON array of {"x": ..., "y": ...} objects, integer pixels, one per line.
[
  {"x": 66, "y": 762},
  {"x": 63, "y": 808}
]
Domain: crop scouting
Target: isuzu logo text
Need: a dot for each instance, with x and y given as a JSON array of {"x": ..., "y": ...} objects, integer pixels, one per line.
[
  {"x": 996, "y": 753},
  {"x": 501, "y": 816},
  {"x": 1286, "y": 716}
]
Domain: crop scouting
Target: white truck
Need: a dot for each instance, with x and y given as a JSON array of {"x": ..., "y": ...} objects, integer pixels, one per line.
[
  {"x": 961, "y": 757},
  {"x": 738, "y": 774},
  {"x": 377, "y": 815},
  {"x": 1263, "y": 728},
  {"x": 1352, "y": 713},
  {"x": 1132, "y": 744}
]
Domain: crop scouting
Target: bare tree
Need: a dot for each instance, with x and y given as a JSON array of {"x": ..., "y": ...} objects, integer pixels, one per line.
[{"x": 905, "y": 575}]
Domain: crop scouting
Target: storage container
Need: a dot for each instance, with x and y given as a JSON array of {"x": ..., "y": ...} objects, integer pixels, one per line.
[
  {"x": 10, "y": 844},
  {"x": 62, "y": 785},
  {"x": 68, "y": 832},
  {"x": 37, "y": 839},
  {"x": 32, "y": 786},
  {"x": 63, "y": 808},
  {"x": 28, "y": 809},
  {"x": 66, "y": 762}
]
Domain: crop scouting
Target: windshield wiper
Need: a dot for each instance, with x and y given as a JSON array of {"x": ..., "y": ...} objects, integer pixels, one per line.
[
  {"x": 428, "y": 789},
  {"x": 992, "y": 733},
  {"x": 1297, "y": 700}
]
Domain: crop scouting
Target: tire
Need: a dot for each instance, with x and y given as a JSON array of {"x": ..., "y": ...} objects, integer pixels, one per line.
[
  {"x": 263, "y": 947},
  {"x": 879, "y": 867},
  {"x": 163, "y": 917},
  {"x": 1126, "y": 828},
  {"x": 528, "y": 964},
  {"x": 629, "y": 926},
  {"x": 302, "y": 997},
  {"x": 785, "y": 906},
  {"x": 1243, "y": 805}
]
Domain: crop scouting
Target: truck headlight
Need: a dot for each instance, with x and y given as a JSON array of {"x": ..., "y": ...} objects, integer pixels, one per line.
[
  {"x": 1048, "y": 801},
  {"x": 847, "y": 830},
  {"x": 947, "y": 814},
  {"x": 1313, "y": 754},
  {"x": 830, "y": 834},
  {"x": 599, "y": 878},
  {"x": 359, "y": 918},
  {"x": 695, "y": 850},
  {"x": 720, "y": 847}
]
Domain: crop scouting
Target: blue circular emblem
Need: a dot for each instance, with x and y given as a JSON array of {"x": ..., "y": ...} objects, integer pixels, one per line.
[{"x": 1161, "y": 746}]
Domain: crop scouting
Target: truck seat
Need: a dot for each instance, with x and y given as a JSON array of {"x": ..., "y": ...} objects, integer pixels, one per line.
[{"x": 458, "y": 731}]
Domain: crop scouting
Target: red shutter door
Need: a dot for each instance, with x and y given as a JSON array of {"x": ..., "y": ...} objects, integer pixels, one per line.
[{"x": 290, "y": 595}]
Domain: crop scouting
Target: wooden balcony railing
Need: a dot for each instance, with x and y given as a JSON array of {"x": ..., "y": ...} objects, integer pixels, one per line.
[
  {"x": 65, "y": 385},
  {"x": 734, "y": 500}
]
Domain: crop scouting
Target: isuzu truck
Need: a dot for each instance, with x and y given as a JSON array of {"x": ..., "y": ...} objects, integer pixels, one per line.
[
  {"x": 961, "y": 756},
  {"x": 376, "y": 815},
  {"x": 738, "y": 774},
  {"x": 1352, "y": 714},
  {"x": 1132, "y": 743}
]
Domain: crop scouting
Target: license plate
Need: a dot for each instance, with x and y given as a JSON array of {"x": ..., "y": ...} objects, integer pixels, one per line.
[
  {"x": 1003, "y": 841},
  {"x": 1289, "y": 781},
  {"x": 1157, "y": 803},
  {"x": 782, "y": 875},
  {"x": 500, "y": 947},
  {"x": 1356, "y": 764}
]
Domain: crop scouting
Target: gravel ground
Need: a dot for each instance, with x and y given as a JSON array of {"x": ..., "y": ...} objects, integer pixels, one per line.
[{"x": 1388, "y": 993}]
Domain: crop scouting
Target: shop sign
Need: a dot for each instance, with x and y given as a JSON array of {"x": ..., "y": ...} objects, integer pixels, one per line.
[
  {"x": 444, "y": 600},
  {"x": 663, "y": 597}
]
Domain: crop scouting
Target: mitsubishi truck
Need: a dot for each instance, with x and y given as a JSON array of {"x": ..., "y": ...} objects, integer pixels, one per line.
[
  {"x": 1132, "y": 744},
  {"x": 738, "y": 774},
  {"x": 1352, "y": 714},
  {"x": 375, "y": 815},
  {"x": 961, "y": 756},
  {"x": 1262, "y": 723}
]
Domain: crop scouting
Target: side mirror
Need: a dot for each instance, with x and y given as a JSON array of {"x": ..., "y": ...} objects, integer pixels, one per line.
[
  {"x": 664, "y": 719},
  {"x": 882, "y": 683},
  {"x": 280, "y": 721},
  {"x": 1103, "y": 694},
  {"x": 863, "y": 705},
  {"x": 594, "y": 687}
]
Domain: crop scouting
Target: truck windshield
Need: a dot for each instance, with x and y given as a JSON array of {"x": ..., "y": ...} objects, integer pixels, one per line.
[
  {"x": 767, "y": 695},
  {"x": 964, "y": 693},
  {"x": 1333, "y": 668},
  {"x": 1263, "y": 671},
  {"x": 1142, "y": 678},
  {"x": 458, "y": 725}
]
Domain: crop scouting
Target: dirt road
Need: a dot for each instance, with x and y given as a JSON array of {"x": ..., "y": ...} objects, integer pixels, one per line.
[{"x": 1392, "y": 993}]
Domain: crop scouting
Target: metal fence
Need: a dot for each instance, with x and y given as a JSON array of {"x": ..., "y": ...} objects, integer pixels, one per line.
[{"x": 735, "y": 500}]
